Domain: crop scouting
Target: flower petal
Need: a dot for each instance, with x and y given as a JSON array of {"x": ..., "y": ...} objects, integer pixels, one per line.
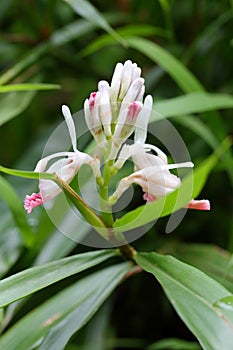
[
  {"x": 32, "y": 201},
  {"x": 70, "y": 125},
  {"x": 203, "y": 204}
]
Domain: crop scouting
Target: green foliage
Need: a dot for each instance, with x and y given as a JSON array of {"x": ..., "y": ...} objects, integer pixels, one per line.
[{"x": 54, "y": 53}]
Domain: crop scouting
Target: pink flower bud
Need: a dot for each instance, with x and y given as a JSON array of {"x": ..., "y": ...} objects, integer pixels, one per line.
[
  {"x": 133, "y": 110},
  {"x": 92, "y": 100}
]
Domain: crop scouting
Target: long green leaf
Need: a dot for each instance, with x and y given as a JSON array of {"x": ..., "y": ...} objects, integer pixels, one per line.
[
  {"x": 192, "y": 293},
  {"x": 210, "y": 259},
  {"x": 89, "y": 12},
  {"x": 106, "y": 39},
  {"x": 195, "y": 102},
  {"x": 75, "y": 305},
  {"x": 36, "y": 278},
  {"x": 199, "y": 127},
  {"x": 184, "y": 78},
  {"x": 174, "y": 344},
  {"x": 191, "y": 186},
  {"x": 8, "y": 194},
  {"x": 28, "y": 87},
  {"x": 13, "y": 104}
]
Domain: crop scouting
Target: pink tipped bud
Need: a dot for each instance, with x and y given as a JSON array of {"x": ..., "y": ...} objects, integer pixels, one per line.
[
  {"x": 32, "y": 201},
  {"x": 92, "y": 100},
  {"x": 133, "y": 110},
  {"x": 203, "y": 204}
]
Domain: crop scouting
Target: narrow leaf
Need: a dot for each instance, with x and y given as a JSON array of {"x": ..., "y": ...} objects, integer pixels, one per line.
[
  {"x": 195, "y": 102},
  {"x": 174, "y": 344},
  {"x": 8, "y": 194},
  {"x": 13, "y": 104},
  {"x": 90, "y": 13},
  {"x": 77, "y": 302},
  {"x": 192, "y": 294},
  {"x": 28, "y": 87},
  {"x": 183, "y": 77},
  {"x": 200, "y": 128},
  {"x": 212, "y": 260},
  {"x": 38, "y": 277},
  {"x": 106, "y": 39}
]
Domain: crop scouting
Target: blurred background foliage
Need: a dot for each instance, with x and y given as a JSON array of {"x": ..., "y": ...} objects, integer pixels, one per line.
[{"x": 48, "y": 42}]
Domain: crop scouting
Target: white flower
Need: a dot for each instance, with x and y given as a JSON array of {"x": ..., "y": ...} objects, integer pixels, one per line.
[
  {"x": 153, "y": 173},
  {"x": 112, "y": 112},
  {"x": 66, "y": 168}
]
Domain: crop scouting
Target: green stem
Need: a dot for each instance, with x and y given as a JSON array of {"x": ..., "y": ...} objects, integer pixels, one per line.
[{"x": 106, "y": 209}]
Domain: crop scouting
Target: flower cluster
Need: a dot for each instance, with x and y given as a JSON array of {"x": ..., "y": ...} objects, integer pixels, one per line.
[{"x": 113, "y": 113}]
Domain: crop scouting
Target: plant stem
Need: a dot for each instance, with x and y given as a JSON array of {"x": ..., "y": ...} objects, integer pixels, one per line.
[{"x": 106, "y": 209}]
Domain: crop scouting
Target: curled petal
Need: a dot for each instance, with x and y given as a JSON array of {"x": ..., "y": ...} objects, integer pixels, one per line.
[
  {"x": 70, "y": 125},
  {"x": 203, "y": 204},
  {"x": 32, "y": 201}
]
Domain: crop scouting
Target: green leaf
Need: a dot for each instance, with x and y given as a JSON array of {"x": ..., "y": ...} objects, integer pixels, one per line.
[
  {"x": 192, "y": 294},
  {"x": 212, "y": 260},
  {"x": 90, "y": 13},
  {"x": 191, "y": 186},
  {"x": 28, "y": 87},
  {"x": 13, "y": 104},
  {"x": 183, "y": 77},
  {"x": 195, "y": 102},
  {"x": 38, "y": 277},
  {"x": 174, "y": 344},
  {"x": 10, "y": 243},
  {"x": 197, "y": 126},
  {"x": 28, "y": 174},
  {"x": 67, "y": 311},
  {"x": 8, "y": 194},
  {"x": 106, "y": 39}
]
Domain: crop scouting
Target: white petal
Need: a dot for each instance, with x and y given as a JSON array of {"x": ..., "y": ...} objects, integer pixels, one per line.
[
  {"x": 126, "y": 78},
  {"x": 133, "y": 91},
  {"x": 70, "y": 125},
  {"x": 142, "y": 121},
  {"x": 41, "y": 165},
  {"x": 116, "y": 82},
  {"x": 105, "y": 106}
]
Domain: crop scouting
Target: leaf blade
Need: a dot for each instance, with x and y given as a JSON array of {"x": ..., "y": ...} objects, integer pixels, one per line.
[
  {"x": 192, "y": 300},
  {"x": 38, "y": 277},
  {"x": 9, "y": 195},
  {"x": 90, "y": 291}
]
